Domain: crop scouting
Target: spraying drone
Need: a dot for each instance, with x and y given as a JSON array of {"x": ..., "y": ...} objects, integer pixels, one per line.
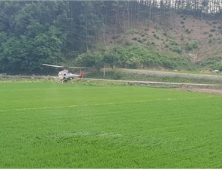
[{"x": 65, "y": 75}]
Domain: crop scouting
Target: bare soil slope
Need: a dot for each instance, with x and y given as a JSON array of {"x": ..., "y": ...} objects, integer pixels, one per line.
[{"x": 180, "y": 35}]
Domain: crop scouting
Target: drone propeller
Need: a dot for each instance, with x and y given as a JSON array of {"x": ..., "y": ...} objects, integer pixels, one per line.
[
  {"x": 78, "y": 67},
  {"x": 52, "y": 65},
  {"x": 49, "y": 65}
]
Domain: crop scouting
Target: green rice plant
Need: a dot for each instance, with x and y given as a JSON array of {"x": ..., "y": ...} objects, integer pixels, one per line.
[{"x": 88, "y": 125}]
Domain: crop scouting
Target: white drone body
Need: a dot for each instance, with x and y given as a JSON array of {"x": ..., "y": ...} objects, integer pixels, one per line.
[{"x": 65, "y": 75}]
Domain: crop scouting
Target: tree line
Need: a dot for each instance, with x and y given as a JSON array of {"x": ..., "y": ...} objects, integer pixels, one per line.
[{"x": 36, "y": 32}]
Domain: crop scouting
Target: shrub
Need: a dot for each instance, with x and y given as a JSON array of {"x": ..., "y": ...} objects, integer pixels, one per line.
[
  {"x": 144, "y": 39},
  {"x": 173, "y": 42},
  {"x": 139, "y": 40},
  {"x": 177, "y": 50},
  {"x": 156, "y": 36},
  {"x": 157, "y": 27},
  {"x": 131, "y": 31},
  {"x": 213, "y": 63},
  {"x": 133, "y": 62},
  {"x": 188, "y": 31},
  {"x": 116, "y": 36},
  {"x": 165, "y": 33},
  {"x": 136, "y": 31},
  {"x": 143, "y": 34},
  {"x": 117, "y": 75},
  {"x": 128, "y": 42},
  {"x": 181, "y": 38},
  {"x": 191, "y": 46},
  {"x": 90, "y": 59}
]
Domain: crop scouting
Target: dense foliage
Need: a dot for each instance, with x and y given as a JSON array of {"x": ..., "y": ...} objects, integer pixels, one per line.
[
  {"x": 32, "y": 33},
  {"x": 131, "y": 57},
  {"x": 214, "y": 63},
  {"x": 36, "y": 32}
]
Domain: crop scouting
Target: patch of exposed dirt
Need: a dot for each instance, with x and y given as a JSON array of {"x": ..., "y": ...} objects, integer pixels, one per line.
[
  {"x": 200, "y": 90},
  {"x": 167, "y": 35},
  {"x": 171, "y": 74}
]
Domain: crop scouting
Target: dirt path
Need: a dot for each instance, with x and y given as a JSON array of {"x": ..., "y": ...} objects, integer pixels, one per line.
[
  {"x": 170, "y": 74},
  {"x": 191, "y": 87},
  {"x": 209, "y": 91}
]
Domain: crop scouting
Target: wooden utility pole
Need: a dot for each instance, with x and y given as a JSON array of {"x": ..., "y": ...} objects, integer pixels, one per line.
[{"x": 104, "y": 70}]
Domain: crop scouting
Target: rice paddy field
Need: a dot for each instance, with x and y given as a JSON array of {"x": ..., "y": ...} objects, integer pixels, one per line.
[{"x": 80, "y": 125}]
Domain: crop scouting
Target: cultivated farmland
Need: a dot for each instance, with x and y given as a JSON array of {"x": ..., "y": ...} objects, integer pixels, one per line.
[{"x": 53, "y": 125}]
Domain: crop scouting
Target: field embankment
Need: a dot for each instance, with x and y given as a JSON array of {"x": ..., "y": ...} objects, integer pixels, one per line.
[
  {"x": 138, "y": 77},
  {"x": 157, "y": 76}
]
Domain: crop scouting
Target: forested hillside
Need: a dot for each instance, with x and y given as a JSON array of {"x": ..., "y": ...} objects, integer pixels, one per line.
[{"x": 131, "y": 34}]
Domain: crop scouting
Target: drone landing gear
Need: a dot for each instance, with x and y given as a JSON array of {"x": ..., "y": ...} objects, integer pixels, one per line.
[{"x": 66, "y": 80}]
